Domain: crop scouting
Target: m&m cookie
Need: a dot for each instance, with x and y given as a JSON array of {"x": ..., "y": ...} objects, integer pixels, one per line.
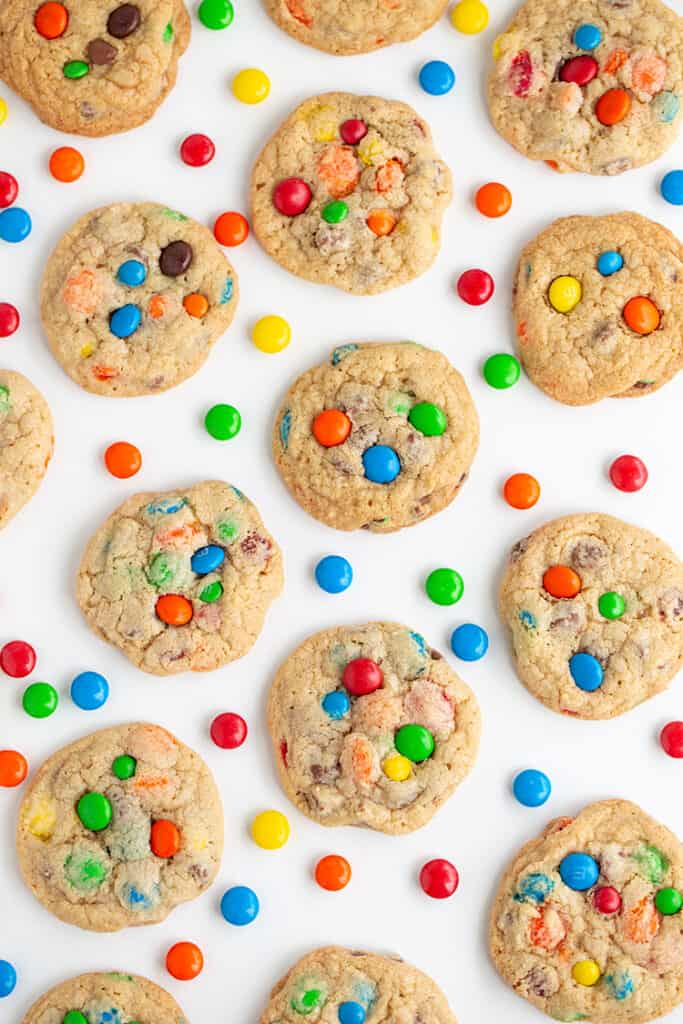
[
  {"x": 93, "y": 68},
  {"x": 119, "y": 828},
  {"x": 350, "y": 192},
  {"x": 595, "y": 612},
  {"x": 586, "y": 921},
  {"x": 371, "y": 726},
  {"x": 380, "y": 437},
  {"x": 26, "y": 442},
  {"x": 134, "y": 297},
  {"x": 181, "y": 581},
  {"x": 598, "y": 307},
  {"x": 591, "y": 87},
  {"x": 105, "y": 999}
]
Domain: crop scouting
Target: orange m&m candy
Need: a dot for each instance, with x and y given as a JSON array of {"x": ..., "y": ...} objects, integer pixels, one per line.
[
  {"x": 561, "y": 581},
  {"x": 123, "y": 460},
  {"x": 174, "y": 610},
  {"x": 493, "y": 199},
  {"x": 331, "y": 427},
  {"x": 13, "y": 768},
  {"x": 196, "y": 305},
  {"x": 641, "y": 315},
  {"x": 67, "y": 164},
  {"x": 521, "y": 490},
  {"x": 184, "y": 961},
  {"x": 333, "y": 872},
  {"x": 164, "y": 838},
  {"x": 51, "y": 20},
  {"x": 381, "y": 222},
  {"x": 613, "y": 106},
  {"x": 231, "y": 229}
]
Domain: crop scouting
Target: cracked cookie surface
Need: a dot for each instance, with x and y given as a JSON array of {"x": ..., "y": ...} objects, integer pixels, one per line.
[
  {"x": 111, "y": 998},
  {"x": 102, "y": 67},
  {"x": 26, "y": 442},
  {"x": 370, "y": 193},
  {"x": 133, "y": 298},
  {"x": 631, "y": 954},
  {"x": 387, "y": 757},
  {"x": 181, "y": 581},
  {"x": 157, "y": 840},
  {"x": 611, "y": 566},
  {"x": 601, "y": 102},
  {"x": 377, "y": 391}
]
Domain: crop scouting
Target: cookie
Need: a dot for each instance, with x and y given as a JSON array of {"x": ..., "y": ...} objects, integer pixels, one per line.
[
  {"x": 106, "y": 999},
  {"x": 371, "y": 987},
  {"x": 379, "y": 437},
  {"x": 337, "y": 27},
  {"x": 181, "y": 581},
  {"x": 595, "y": 612},
  {"x": 350, "y": 191},
  {"x": 589, "y": 86},
  {"x": 26, "y": 442},
  {"x": 134, "y": 297},
  {"x": 119, "y": 828},
  {"x": 92, "y": 68},
  {"x": 370, "y": 726},
  {"x": 598, "y": 307},
  {"x": 583, "y": 925}
]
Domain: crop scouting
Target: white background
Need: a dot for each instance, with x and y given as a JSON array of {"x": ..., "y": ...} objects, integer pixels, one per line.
[{"x": 567, "y": 449}]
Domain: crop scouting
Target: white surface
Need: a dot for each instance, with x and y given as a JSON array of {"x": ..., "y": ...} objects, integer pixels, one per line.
[{"x": 567, "y": 449}]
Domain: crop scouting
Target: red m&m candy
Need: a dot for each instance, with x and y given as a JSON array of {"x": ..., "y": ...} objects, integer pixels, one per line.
[
  {"x": 439, "y": 878},
  {"x": 9, "y": 319},
  {"x": 197, "y": 150},
  {"x": 607, "y": 900},
  {"x": 9, "y": 189},
  {"x": 292, "y": 196},
  {"x": 361, "y": 676},
  {"x": 17, "y": 659},
  {"x": 475, "y": 287},
  {"x": 580, "y": 70},
  {"x": 671, "y": 738},
  {"x": 628, "y": 473},
  {"x": 228, "y": 731},
  {"x": 353, "y": 130}
]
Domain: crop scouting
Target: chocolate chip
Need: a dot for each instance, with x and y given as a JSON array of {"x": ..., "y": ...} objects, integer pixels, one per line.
[
  {"x": 589, "y": 553},
  {"x": 519, "y": 549},
  {"x": 436, "y": 656},
  {"x": 670, "y": 604},
  {"x": 123, "y": 21},
  {"x": 175, "y": 259},
  {"x": 99, "y": 52}
]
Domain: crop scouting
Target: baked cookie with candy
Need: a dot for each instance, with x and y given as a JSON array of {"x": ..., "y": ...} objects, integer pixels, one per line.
[
  {"x": 379, "y": 437},
  {"x": 586, "y": 923},
  {"x": 92, "y": 68},
  {"x": 119, "y": 828},
  {"x": 592, "y": 86},
  {"x": 134, "y": 297},
  {"x": 350, "y": 191},
  {"x": 26, "y": 442},
  {"x": 342, "y": 28},
  {"x": 181, "y": 581},
  {"x": 598, "y": 304},
  {"x": 371, "y": 726},
  {"x": 595, "y": 612},
  {"x": 105, "y": 999}
]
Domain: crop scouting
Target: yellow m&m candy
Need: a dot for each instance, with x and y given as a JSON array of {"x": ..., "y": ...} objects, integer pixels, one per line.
[
  {"x": 564, "y": 293},
  {"x": 470, "y": 17},
  {"x": 271, "y": 334},
  {"x": 397, "y": 768},
  {"x": 270, "y": 830},
  {"x": 586, "y": 972},
  {"x": 3, "y": 110},
  {"x": 251, "y": 86}
]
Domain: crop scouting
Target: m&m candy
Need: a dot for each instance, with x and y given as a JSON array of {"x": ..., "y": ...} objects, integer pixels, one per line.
[
  {"x": 333, "y": 574},
  {"x": 437, "y": 77},
  {"x": 429, "y": 419},
  {"x": 397, "y": 767},
  {"x": 381, "y": 464},
  {"x": 610, "y": 262},
  {"x": 335, "y": 212},
  {"x": 271, "y": 334},
  {"x": 125, "y": 321},
  {"x": 51, "y": 20},
  {"x": 470, "y": 17},
  {"x": 66, "y": 164},
  {"x": 231, "y": 229},
  {"x": 579, "y": 871},
  {"x": 587, "y": 37},
  {"x": 586, "y": 972},
  {"x": 580, "y": 70},
  {"x": 611, "y": 605},
  {"x": 333, "y": 872},
  {"x": 40, "y": 700},
  {"x": 164, "y": 838},
  {"x": 174, "y": 609},
  {"x": 196, "y": 305},
  {"x": 353, "y": 131},
  {"x": 209, "y": 558},
  {"x": 641, "y": 315},
  {"x": 15, "y": 225},
  {"x": 17, "y": 659},
  {"x": 561, "y": 581},
  {"x": 521, "y": 490},
  {"x": 671, "y": 188},
  {"x": 9, "y": 319},
  {"x": 668, "y": 901},
  {"x": 292, "y": 196},
  {"x": 216, "y": 14},
  {"x": 89, "y": 691},
  {"x": 223, "y": 422},
  {"x": 439, "y": 878},
  {"x": 13, "y": 768},
  {"x": 501, "y": 371},
  {"x": 444, "y": 586},
  {"x": 240, "y": 905},
  {"x": 94, "y": 811},
  {"x": 9, "y": 188},
  {"x": 75, "y": 69},
  {"x": 124, "y": 767},
  {"x": 336, "y": 704},
  {"x": 270, "y": 830},
  {"x": 628, "y": 473},
  {"x": 493, "y": 199},
  {"x": 671, "y": 739},
  {"x": 475, "y": 287},
  {"x": 531, "y": 787},
  {"x": 350, "y": 1012},
  {"x": 184, "y": 961},
  {"x": 469, "y": 642},
  {"x": 381, "y": 222},
  {"x": 132, "y": 273},
  {"x": 586, "y": 671},
  {"x": 228, "y": 731},
  {"x": 331, "y": 427},
  {"x": 251, "y": 86},
  {"x": 607, "y": 900},
  {"x": 197, "y": 150},
  {"x": 564, "y": 293},
  {"x": 8, "y": 978},
  {"x": 123, "y": 460},
  {"x": 362, "y": 676},
  {"x": 415, "y": 742},
  {"x": 613, "y": 106}
]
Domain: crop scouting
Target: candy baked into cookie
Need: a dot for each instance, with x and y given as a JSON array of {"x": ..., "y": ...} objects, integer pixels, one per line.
[
  {"x": 134, "y": 297},
  {"x": 342, "y": 28},
  {"x": 370, "y": 726},
  {"x": 181, "y": 581},
  {"x": 119, "y": 828},
  {"x": 589, "y": 85},
  {"x": 105, "y": 999},
  {"x": 26, "y": 442},
  {"x": 350, "y": 191},
  {"x": 598, "y": 307},
  {"x": 586, "y": 924},
  {"x": 379, "y": 437},
  {"x": 595, "y": 612},
  {"x": 92, "y": 68}
]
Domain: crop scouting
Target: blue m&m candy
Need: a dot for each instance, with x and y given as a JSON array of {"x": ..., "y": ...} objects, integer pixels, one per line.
[
  {"x": 351, "y": 1013},
  {"x": 207, "y": 559},
  {"x": 587, "y": 37},
  {"x": 437, "y": 77},
  {"x": 8, "y": 978},
  {"x": 586, "y": 671},
  {"x": 671, "y": 188},
  {"x": 125, "y": 321},
  {"x": 610, "y": 262},
  {"x": 15, "y": 224},
  {"x": 89, "y": 691},
  {"x": 469, "y": 642},
  {"x": 336, "y": 704},
  {"x": 381, "y": 464},
  {"x": 579, "y": 871},
  {"x": 531, "y": 787},
  {"x": 333, "y": 574},
  {"x": 132, "y": 273},
  {"x": 240, "y": 905}
]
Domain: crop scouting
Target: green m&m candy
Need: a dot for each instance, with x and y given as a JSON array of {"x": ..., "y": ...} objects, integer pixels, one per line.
[
  {"x": 429, "y": 419},
  {"x": 76, "y": 69},
  {"x": 668, "y": 901},
  {"x": 611, "y": 605},
  {"x": 414, "y": 742},
  {"x": 94, "y": 810},
  {"x": 211, "y": 592},
  {"x": 501, "y": 371},
  {"x": 40, "y": 700},
  {"x": 335, "y": 212},
  {"x": 444, "y": 586},
  {"x": 216, "y": 14},
  {"x": 124, "y": 767},
  {"x": 308, "y": 1001},
  {"x": 223, "y": 422},
  {"x": 75, "y": 1017}
]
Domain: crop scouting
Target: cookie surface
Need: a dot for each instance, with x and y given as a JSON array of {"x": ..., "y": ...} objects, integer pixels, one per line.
[
  {"x": 26, "y": 442},
  {"x": 603, "y": 566},
  {"x": 592, "y": 86},
  {"x": 386, "y": 757},
  {"x": 631, "y": 953},
  {"x": 93, "y": 68},
  {"x": 134, "y": 297},
  {"x": 591, "y": 352},
  {"x": 337, "y": 27},
  {"x": 105, "y": 862},
  {"x": 127, "y": 997},
  {"x": 369, "y": 193},
  {"x": 385, "y": 987},
  {"x": 382, "y": 396},
  {"x": 181, "y": 581}
]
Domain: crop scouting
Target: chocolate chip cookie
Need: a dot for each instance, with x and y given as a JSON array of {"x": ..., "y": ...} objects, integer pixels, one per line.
[{"x": 26, "y": 442}]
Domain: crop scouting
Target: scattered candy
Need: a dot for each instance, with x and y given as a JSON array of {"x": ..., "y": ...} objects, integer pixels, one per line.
[
  {"x": 613, "y": 106},
  {"x": 586, "y": 671},
  {"x": 470, "y": 17},
  {"x": 362, "y": 676},
  {"x": 381, "y": 464},
  {"x": 353, "y": 131},
  {"x": 94, "y": 811},
  {"x": 580, "y": 70},
  {"x": 271, "y": 334},
  {"x": 124, "y": 767},
  {"x": 333, "y": 574},
  {"x": 132, "y": 273},
  {"x": 251, "y": 86},
  {"x": 3, "y": 110},
  {"x": 439, "y": 878},
  {"x": 40, "y": 700},
  {"x": 561, "y": 581},
  {"x": 564, "y": 293},
  {"x": 331, "y": 427},
  {"x": 123, "y": 460},
  {"x": 611, "y": 605},
  {"x": 428, "y": 419},
  {"x": 125, "y": 321},
  {"x": 164, "y": 839},
  {"x": 437, "y": 77},
  {"x": 610, "y": 262},
  {"x": 414, "y": 742},
  {"x": 292, "y": 196},
  {"x": 607, "y": 900},
  {"x": 15, "y": 225},
  {"x": 444, "y": 586},
  {"x": 521, "y": 490},
  {"x": 531, "y": 787},
  {"x": 51, "y": 20},
  {"x": 469, "y": 642},
  {"x": 668, "y": 901},
  {"x": 216, "y": 14},
  {"x": 8, "y": 978},
  {"x": 671, "y": 739},
  {"x": 579, "y": 871},
  {"x": 270, "y": 830},
  {"x": 587, "y": 37},
  {"x": 17, "y": 659},
  {"x": 9, "y": 187},
  {"x": 351, "y": 1013},
  {"x": 66, "y": 164},
  {"x": 89, "y": 691},
  {"x": 671, "y": 187},
  {"x": 586, "y": 972},
  {"x": 333, "y": 872},
  {"x": 13, "y": 768},
  {"x": 501, "y": 371},
  {"x": 228, "y": 731},
  {"x": 397, "y": 767},
  {"x": 184, "y": 961},
  {"x": 9, "y": 319},
  {"x": 493, "y": 199},
  {"x": 475, "y": 287},
  {"x": 174, "y": 610},
  {"x": 336, "y": 704},
  {"x": 223, "y": 422},
  {"x": 628, "y": 473},
  {"x": 641, "y": 315},
  {"x": 240, "y": 905},
  {"x": 231, "y": 229},
  {"x": 197, "y": 150}
]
